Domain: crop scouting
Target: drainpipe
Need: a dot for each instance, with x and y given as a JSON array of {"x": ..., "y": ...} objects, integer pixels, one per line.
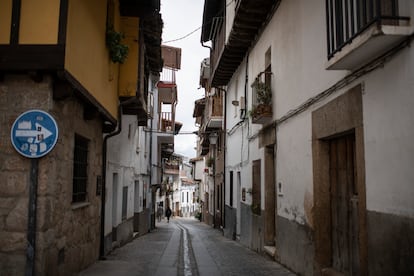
[
  {"x": 152, "y": 219},
  {"x": 103, "y": 189},
  {"x": 246, "y": 83},
  {"x": 224, "y": 158},
  {"x": 206, "y": 46}
]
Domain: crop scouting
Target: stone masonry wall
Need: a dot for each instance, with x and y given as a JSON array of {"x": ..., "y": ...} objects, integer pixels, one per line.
[{"x": 67, "y": 236}]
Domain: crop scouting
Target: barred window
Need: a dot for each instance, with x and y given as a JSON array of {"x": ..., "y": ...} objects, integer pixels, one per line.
[{"x": 80, "y": 169}]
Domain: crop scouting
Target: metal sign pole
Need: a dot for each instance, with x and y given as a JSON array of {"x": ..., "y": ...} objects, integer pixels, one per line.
[{"x": 31, "y": 233}]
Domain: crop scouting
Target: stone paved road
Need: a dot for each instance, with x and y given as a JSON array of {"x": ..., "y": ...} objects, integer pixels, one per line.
[{"x": 185, "y": 247}]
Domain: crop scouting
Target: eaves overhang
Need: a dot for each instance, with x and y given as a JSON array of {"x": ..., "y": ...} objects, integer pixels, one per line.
[
  {"x": 250, "y": 18},
  {"x": 152, "y": 30}
]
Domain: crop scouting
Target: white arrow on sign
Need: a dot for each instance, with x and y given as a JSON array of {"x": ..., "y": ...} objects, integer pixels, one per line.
[{"x": 39, "y": 134}]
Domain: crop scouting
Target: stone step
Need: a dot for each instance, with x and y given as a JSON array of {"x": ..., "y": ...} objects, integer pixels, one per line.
[{"x": 270, "y": 250}]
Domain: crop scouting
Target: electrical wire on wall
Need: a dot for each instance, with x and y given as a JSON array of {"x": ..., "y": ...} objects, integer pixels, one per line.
[{"x": 379, "y": 62}]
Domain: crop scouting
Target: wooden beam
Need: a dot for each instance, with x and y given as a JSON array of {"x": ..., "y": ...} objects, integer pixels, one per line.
[
  {"x": 15, "y": 22},
  {"x": 31, "y": 57}
]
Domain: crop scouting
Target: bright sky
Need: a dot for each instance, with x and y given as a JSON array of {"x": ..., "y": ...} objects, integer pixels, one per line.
[{"x": 181, "y": 17}]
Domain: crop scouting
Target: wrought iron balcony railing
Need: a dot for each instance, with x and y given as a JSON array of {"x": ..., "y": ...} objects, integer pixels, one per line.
[{"x": 346, "y": 19}]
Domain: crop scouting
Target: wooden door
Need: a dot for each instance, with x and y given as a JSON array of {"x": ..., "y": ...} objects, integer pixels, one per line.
[{"x": 344, "y": 205}]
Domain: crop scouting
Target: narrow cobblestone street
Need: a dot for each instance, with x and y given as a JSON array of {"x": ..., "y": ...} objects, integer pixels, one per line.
[{"x": 184, "y": 247}]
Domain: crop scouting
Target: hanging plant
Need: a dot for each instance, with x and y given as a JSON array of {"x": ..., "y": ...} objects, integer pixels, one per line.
[{"x": 118, "y": 52}]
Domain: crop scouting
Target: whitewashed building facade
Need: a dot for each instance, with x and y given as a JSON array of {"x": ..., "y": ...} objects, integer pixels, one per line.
[{"x": 323, "y": 182}]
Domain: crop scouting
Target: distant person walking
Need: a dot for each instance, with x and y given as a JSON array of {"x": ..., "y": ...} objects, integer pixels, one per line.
[
  {"x": 159, "y": 212},
  {"x": 168, "y": 213}
]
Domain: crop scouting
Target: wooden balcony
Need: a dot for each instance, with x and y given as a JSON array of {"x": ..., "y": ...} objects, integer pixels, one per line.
[
  {"x": 171, "y": 169},
  {"x": 166, "y": 122},
  {"x": 218, "y": 48},
  {"x": 215, "y": 111}
]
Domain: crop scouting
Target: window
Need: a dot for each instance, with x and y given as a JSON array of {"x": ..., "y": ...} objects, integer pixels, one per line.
[
  {"x": 114, "y": 201},
  {"x": 151, "y": 102},
  {"x": 144, "y": 195},
  {"x": 146, "y": 146},
  {"x": 256, "y": 189},
  {"x": 129, "y": 131},
  {"x": 268, "y": 68},
  {"x": 231, "y": 188},
  {"x": 137, "y": 140},
  {"x": 236, "y": 96},
  {"x": 262, "y": 85},
  {"x": 80, "y": 169},
  {"x": 124, "y": 202},
  {"x": 138, "y": 196}
]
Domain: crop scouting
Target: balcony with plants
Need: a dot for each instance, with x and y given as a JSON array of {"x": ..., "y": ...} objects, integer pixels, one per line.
[{"x": 261, "y": 111}]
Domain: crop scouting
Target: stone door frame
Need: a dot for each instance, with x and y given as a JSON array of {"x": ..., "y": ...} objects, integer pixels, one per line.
[{"x": 339, "y": 116}]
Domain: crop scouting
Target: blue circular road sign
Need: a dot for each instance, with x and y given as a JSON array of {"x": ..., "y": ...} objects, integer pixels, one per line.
[{"x": 34, "y": 133}]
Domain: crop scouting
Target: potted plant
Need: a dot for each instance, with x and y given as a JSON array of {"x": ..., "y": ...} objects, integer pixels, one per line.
[{"x": 263, "y": 92}]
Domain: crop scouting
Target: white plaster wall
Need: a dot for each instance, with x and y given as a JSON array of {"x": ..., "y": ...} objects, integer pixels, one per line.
[
  {"x": 199, "y": 175},
  {"x": 184, "y": 203},
  {"x": 388, "y": 110},
  {"x": 140, "y": 150},
  {"x": 242, "y": 141},
  {"x": 406, "y": 8},
  {"x": 297, "y": 37},
  {"x": 294, "y": 168},
  {"x": 199, "y": 169},
  {"x": 127, "y": 157},
  {"x": 235, "y": 90},
  {"x": 154, "y": 170},
  {"x": 128, "y": 182},
  {"x": 110, "y": 218}
]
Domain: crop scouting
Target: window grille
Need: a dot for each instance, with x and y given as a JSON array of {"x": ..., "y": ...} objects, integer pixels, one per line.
[{"x": 346, "y": 19}]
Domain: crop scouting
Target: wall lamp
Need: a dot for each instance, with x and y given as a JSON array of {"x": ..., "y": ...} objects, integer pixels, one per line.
[{"x": 213, "y": 138}]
